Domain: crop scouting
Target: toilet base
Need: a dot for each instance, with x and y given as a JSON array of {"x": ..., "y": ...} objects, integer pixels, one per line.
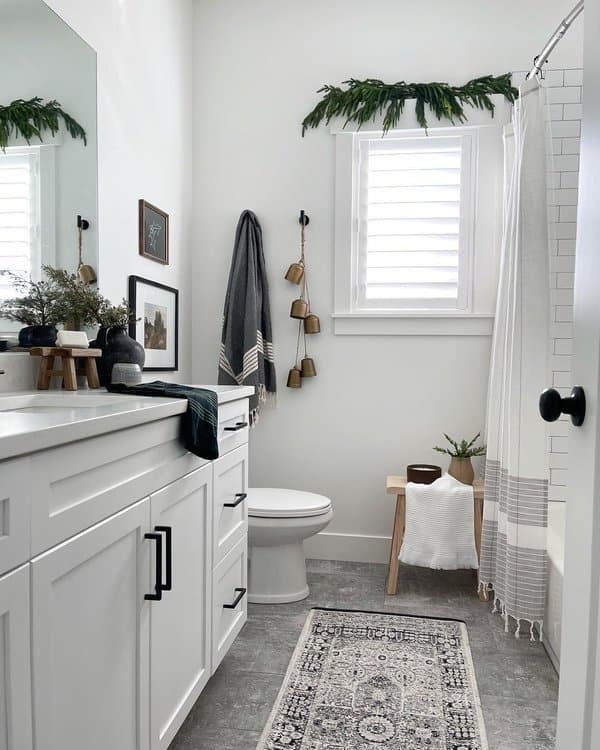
[{"x": 277, "y": 575}]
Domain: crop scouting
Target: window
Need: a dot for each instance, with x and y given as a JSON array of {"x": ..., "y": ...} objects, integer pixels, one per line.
[
  {"x": 414, "y": 220},
  {"x": 418, "y": 226},
  {"x": 19, "y": 215}
]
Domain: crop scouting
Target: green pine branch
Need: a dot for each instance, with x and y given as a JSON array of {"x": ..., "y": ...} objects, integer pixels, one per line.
[
  {"x": 464, "y": 449},
  {"x": 29, "y": 118},
  {"x": 362, "y": 101}
]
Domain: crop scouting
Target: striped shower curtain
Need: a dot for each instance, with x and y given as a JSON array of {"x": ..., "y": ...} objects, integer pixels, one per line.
[{"x": 513, "y": 555}]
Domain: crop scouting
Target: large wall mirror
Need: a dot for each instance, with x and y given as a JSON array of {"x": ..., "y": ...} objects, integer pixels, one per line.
[{"x": 45, "y": 186}]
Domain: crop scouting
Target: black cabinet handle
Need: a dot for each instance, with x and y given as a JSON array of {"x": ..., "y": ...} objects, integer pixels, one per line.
[
  {"x": 240, "y": 497},
  {"x": 157, "y": 595},
  {"x": 168, "y": 531},
  {"x": 238, "y": 426},
  {"x": 552, "y": 405},
  {"x": 237, "y": 600}
]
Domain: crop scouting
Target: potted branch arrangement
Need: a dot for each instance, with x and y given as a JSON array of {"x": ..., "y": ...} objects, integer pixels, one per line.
[
  {"x": 87, "y": 307},
  {"x": 64, "y": 298},
  {"x": 461, "y": 466},
  {"x": 37, "y": 308}
]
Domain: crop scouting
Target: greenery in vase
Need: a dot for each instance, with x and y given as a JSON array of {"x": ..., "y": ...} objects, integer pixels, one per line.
[
  {"x": 462, "y": 449},
  {"x": 115, "y": 316},
  {"x": 361, "y": 101},
  {"x": 39, "y": 304},
  {"x": 29, "y": 118},
  {"x": 79, "y": 304}
]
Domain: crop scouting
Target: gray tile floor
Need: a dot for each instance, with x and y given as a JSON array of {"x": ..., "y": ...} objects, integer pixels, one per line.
[{"x": 517, "y": 683}]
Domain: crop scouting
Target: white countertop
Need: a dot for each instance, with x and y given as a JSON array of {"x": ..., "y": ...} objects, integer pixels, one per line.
[{"x": 63, "y": 421}]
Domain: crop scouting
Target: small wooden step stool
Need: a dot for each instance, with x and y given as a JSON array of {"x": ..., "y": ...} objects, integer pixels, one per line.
[{"x": 68, "y": 371}]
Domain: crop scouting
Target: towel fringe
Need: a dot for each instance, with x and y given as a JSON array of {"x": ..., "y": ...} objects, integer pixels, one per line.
[{"x": 499, "y": 607}]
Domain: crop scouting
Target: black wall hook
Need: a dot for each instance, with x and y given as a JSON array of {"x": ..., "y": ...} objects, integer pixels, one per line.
[
  {"x": 82, "y": 223},
  {"x": 304, "y": 219}
]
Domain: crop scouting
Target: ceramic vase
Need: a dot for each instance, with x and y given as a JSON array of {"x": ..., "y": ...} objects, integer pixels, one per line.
[
  {"x": 117, "y": 347},
  {"x": 38, "y": 336},
  {"x": 462, "y": 469}
]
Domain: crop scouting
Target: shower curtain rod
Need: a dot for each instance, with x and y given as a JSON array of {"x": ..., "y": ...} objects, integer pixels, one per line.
[{"x": 542, "y": 58}]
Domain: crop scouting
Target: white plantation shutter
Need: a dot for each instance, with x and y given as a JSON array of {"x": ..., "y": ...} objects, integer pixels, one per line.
[
  {"x": 19, "y": 215},
  {"x": 414, "y": 212}
]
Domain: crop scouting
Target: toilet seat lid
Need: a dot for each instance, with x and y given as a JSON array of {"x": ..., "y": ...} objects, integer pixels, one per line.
[{"x": 271, "y": 502}]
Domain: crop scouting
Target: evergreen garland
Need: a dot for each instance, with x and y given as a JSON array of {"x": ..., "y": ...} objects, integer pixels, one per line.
[
  {"x": 361, "y": 101},
  {"x": 29, "y": 118}
]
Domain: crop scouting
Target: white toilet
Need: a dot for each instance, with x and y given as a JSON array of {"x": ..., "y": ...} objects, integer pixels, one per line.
[{"x": 278, "y": 523}]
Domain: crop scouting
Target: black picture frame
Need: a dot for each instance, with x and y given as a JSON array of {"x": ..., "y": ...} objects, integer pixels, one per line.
[
  {"x": 154, "y": 246},
  {"x": 141, "y": 293}
]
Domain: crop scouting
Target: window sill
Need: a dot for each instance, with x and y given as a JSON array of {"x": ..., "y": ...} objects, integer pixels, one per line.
[{"x": 413, "y": 324}]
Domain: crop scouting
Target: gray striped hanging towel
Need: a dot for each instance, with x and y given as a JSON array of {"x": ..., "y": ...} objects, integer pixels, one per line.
[{"x": 246, "y": 356}]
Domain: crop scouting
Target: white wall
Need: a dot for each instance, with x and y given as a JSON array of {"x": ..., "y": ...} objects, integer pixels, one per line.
[
  {"x": 378, "y": 403},
  {"x": 144, "y": 137}
]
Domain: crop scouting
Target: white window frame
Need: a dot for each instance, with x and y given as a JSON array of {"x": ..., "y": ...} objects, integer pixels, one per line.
[
  {"x": 362, "y": 144},
  {"x": 44, "y": 246},
  {"x": 482, "y": 250}
]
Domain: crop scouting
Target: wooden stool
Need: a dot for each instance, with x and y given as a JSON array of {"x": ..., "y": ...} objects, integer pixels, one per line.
[
  {"x": 397, "y": 486},
  {"x": 68, "y": 371}
]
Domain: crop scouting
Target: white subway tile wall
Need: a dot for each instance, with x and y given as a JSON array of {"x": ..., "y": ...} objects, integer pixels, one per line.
[
  {"x": 564, "y": 97},
  {"x": 563, "y": 110}
]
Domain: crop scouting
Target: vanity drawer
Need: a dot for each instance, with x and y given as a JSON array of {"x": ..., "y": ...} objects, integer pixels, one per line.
[
  {"x": 234, "y": 420},
  {"x": 230, "y": 509},
  {"x": 15, "y": 513},
  {"x": 79, "y": 484},
  {"x": 230, "y": 600}
]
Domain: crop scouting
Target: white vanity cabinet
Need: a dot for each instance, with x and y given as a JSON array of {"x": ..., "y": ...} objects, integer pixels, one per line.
[
  {"x": 180, "y": 623},
  {"x": 90, "y": 637},
  {"x": 133, "y": 587},
  {"x": 15, "y": 661}
]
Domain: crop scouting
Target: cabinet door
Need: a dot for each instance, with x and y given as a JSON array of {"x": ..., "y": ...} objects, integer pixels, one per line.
[
  {"x": 180, "y": 622},
  {"x": 230, "y": 507},
  {"x": 15, "y": 513},
  {"x": 15, "y": 667},
  {"x": 230, "y": 603},
  {"x": 91, "y": 637}
]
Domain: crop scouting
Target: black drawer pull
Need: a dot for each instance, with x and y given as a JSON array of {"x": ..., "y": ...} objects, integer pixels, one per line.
[
  {"x": 240, "y": 497},
  {"x": 237, "y": 600},
  {"x": 168, "y": 584},
  {"x": 238, "y": 426},
  {"x": 157, "y": 595}
]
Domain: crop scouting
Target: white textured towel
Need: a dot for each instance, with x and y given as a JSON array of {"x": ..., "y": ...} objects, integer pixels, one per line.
[{"x": 439, "y": 525}]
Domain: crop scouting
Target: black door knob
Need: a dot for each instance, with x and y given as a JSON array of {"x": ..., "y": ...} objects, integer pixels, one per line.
[{"x": 552, "y": 405}]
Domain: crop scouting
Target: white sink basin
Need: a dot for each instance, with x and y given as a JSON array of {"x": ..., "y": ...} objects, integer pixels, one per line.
[{"x": 44, "y": 402}]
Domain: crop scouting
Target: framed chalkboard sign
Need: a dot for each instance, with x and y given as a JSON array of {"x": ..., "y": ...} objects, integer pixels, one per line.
[{"x": 154, "y": 233}]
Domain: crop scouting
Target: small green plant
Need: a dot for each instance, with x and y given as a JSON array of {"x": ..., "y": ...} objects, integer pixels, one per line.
[
  {"x": 464, "y": 449},
  {"x": 38, "y": 305}
]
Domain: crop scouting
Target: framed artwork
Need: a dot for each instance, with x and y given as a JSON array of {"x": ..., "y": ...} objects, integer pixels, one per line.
[
  {"x": 156, "y": 308},
  {"x": 154, "y": 233}
]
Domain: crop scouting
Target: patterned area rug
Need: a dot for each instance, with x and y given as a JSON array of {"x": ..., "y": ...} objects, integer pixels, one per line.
[{"x": 374, "y": 681}]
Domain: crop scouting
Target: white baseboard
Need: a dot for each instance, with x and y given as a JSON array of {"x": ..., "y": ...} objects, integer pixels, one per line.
[
  {"x": 348, "y": 547},
  {"x": 552, "y": 655}
]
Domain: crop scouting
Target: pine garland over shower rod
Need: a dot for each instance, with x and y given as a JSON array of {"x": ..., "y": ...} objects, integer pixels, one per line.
[
  {"x": 361, "y": 101},
  {"x": 30, "y": 117}
]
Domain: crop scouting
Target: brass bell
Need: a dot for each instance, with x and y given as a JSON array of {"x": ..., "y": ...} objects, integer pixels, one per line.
[
  {"x": 308, "y": 367},
  {"x": 294, "y": 378},
  {"x": 295, "y": 273},
  {"x": 312, "y": 324},
  {"x": 299, "y": 309}
]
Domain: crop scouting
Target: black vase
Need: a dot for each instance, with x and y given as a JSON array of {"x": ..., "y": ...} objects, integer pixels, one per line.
[
  {"x": 38, "y": 336},
  {"x": 116, "y": 346}
]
